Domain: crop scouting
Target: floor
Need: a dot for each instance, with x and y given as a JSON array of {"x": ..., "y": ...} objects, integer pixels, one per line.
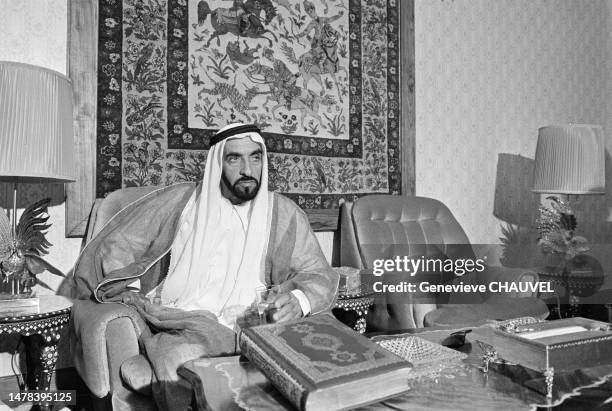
[{"x": 64, "y": 379}]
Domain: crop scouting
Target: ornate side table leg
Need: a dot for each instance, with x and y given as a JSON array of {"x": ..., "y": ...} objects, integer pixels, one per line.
[
  {"x": 42, "y": 356},
  {"x": 549, "y": 374},
  {"x": 360, "y": 324},
  {"x": 574, "y": 306},
  {"x": 48, "y": 359}
]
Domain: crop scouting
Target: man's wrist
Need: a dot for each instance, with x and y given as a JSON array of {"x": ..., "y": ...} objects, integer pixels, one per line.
[{"x": 303, "y": 301}]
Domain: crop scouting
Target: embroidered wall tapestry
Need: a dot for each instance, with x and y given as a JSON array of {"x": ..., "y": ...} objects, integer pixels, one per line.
[{"x": 319, "y": 77}]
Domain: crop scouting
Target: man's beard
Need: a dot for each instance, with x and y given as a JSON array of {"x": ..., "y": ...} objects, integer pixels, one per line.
[{"x": 242, "y": 191}]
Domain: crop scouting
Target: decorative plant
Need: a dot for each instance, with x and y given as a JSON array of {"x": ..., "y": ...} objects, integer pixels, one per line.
[
  {"x": 221, "y": 68},
  {"x": 556, "y": 225},
  {"x": 205, "y": 112},
  {"x": 517, "y": 246},
  {"x": 336, "y": 124},
  {"x": 20, "y": 252}
]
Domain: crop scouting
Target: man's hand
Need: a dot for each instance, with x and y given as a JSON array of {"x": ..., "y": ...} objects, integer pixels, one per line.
[
  {"x": 133, "y": 298},
  {"x": 287, "y": 307}
]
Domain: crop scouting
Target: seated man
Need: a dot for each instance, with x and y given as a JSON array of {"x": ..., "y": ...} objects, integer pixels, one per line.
[{"x": 189, "y": 260}]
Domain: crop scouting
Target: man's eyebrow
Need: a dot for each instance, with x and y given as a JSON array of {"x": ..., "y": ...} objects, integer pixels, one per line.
[{"x": 233, "y": 153}]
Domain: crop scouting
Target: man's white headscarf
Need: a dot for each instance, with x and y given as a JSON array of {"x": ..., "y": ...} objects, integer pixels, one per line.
[{"x": 192, "y": 283}]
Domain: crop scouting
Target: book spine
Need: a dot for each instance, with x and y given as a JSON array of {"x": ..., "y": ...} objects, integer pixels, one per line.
[{"x": 295, "y": 392}]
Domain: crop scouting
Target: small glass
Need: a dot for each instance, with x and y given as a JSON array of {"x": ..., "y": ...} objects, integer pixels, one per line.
[{"x": 264, "y": 298}]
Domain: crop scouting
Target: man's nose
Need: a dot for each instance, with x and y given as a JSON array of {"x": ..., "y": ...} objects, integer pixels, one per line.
[{"x": 246, "y": 169}]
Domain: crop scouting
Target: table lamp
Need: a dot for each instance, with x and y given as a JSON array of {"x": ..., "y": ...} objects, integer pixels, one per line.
[
  {"x": 36, "y": 146},
  {"x": 570, "y": 160}
]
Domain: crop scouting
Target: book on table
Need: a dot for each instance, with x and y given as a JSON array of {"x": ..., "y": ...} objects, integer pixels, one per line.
[{"x": 318, "y": 363}]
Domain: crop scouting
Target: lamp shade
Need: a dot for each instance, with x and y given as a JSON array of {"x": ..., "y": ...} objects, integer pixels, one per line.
[
  {"x": 36, "y": 129},
  {"x": 570, "y": 159}
]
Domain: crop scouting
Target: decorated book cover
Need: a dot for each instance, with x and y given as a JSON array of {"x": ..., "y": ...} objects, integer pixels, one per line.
[{"x": 319, "y": 363}]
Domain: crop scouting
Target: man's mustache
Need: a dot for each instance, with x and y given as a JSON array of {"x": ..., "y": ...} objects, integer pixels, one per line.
[{"x": 246, "y": 180}]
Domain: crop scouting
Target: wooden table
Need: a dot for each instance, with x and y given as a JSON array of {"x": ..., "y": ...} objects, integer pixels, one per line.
[
  {"x": 41, "y": 327},
  {"x": 229, "y": 384}
]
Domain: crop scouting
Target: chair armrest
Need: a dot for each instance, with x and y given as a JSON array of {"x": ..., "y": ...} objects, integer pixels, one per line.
[{"x": 102, "y": 336}]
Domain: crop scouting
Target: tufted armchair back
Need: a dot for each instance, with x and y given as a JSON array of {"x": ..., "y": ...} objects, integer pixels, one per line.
[
  {"x": 380, "y": 224},
  {"x": 384, "y": 226}
]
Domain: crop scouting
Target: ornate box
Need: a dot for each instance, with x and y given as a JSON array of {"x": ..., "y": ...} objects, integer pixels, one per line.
[{"x": 550, "y": 347}]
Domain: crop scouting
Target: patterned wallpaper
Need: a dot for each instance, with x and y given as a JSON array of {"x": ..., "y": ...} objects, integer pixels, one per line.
[
  {"x": 489, "y": 74},
  {"x": 34, "y": 32}
]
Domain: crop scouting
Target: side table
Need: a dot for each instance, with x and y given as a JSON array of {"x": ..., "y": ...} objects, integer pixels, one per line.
[
  {"x": 578, "y": 280},
  {"x": 357, "y": 303},
  {"x": 41, "y": 329}
]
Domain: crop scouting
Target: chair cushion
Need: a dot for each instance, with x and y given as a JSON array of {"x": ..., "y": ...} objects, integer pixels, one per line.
[
  {"x": 137, "y": 374},
  {"x": 502, "y": 308}
]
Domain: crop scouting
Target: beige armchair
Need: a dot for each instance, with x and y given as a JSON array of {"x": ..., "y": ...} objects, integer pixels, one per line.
[
  {"x": 103, "y": 336},
  {"x": 383, "y": 226}
]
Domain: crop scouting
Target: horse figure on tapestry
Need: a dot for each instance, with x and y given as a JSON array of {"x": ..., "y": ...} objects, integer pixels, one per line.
[
  {"x": 313, "y": 64},
  {"x": 307, "y": 102},
  {"x": 243, "y": 19}
]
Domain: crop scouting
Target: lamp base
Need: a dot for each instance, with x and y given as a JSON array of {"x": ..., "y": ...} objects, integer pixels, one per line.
[{"x": 13, "y": 304}]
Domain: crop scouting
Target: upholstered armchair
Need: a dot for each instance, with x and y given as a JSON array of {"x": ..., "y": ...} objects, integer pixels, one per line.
[
  {"x": 103, "y": 336},
  {"x": 384, "y": 226}
]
